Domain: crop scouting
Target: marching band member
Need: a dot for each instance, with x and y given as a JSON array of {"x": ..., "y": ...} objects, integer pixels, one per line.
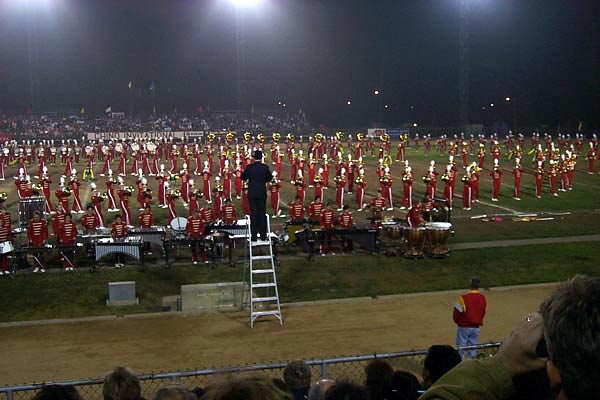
[
  {"x": 22, "y": 183},
  {"x": 361, "y": 184},
  {"x": 194, "y": 204},
  {"x": 68, "y": 235},
  {"x": 118, "y": 232},
  {"x": 296, "y": 210},
  {"x": 552, "y": 174},
  {"x": 162, "y": 184},
  {"x": 37, "y": 234},
  {"x": 218, "y": 199},
  {"x": 590, "y": 156},
  {"x": 90, "y": 220},
  {"x": 110, "y": 184},
  {"x": 346, "y": 222},
  {"x": 496, "y": 175},
  {"x": 229, "y": 212},
  {"x": 314, "y": 209},
  {"x": 448, "y": 178},
  {"x": 467, "y": 196},
  {"x": 227, "y": 174},
  {"x": 146, "y": 221},
  {"x": 146, "y": 194},
  {"x": 124, "y": 194},
  {"x": 386, "y": 188},
  {"x": 5, "y": 236},
  {"x": 57, "y": 220},
  {"x": 195, "y": 229},
  {"x": 62, "y": 194},
  {"x": 206, "y": 213},
  {"x": 185, "y": 184},
  {"x": 45, "y": 182},
  {"x": 517, "y": 172},
  {"x": 407, "y": 181},
  {"x": 245, "y": 200},
  {"x": 171, "y": 207},
  {"x": 238, "y": 183},
  {"x": 274, "y": 187},
  {"x": 326, "y": 221},
  {"x": 206, "y": 174},
  {"x": 340, "y": 185},
  {"x": 413, "y": 217},
  {"x": 300, "y": 186},
  {"x": 74, "y": 186},
  {"x": 97, "y": 199}
]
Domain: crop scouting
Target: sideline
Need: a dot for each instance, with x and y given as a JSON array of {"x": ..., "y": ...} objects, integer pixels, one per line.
[
  {"x": 348, "y": 300},
  {"x": 524, "y": 242}
]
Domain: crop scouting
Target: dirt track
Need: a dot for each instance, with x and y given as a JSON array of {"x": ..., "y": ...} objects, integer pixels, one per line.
[{"x": 90, "y": 349}]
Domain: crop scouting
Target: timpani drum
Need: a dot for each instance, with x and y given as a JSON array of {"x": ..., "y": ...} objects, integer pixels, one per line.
[
  {"x": 178, "y": 226},
  {"x": 415, "y": 241},
  {"x": 438, "y": 234},
  {"x": 30, "y": 205},
  {"x": 392, "y": 231}
]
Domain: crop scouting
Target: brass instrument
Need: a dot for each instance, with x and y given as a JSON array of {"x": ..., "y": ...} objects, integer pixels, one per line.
[
  {"x": 129, "y": 189},
  {"x": 384, "y": 137},
  {"x": 3, "y": 197},
  {"x": 339, "y": 135},
  {"x": 291, "y": 137},
  {"x": 176, "y": 193},
  {"x": 360, "y": 136},
  {"x": 247, "y": 136},
  {"x": 318, "y": 137},
  {"x": 406, "y": 177},
  {"x": 229, "y": 137},
  {"x": 276, "y": 137},
  {"x": 426, "y": 178},
  {"x": 211, "y": 137},
  {"x": 103, "y": 195},
  {"x": 445, "y": 177},
  {"x": 260, "y": 137}
]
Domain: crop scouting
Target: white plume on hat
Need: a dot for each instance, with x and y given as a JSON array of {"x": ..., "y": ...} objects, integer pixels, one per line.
[{"x": 93, "y": 186}]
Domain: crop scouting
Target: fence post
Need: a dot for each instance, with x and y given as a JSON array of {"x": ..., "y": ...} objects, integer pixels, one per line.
[
  {"x": 9, "y": 395},
  {"x": 323, "y": 370}
]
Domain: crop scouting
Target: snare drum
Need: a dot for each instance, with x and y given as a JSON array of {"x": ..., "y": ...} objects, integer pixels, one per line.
[
  {"x": 438, "y": 234},
  {"x": 415, "y": 240}
]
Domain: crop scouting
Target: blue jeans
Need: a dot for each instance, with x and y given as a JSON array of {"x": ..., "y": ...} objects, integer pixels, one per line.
[{"x": 467, "y": 337}]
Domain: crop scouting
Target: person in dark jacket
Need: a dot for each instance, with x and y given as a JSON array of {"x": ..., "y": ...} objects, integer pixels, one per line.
[{"x": 257, "y": 174}]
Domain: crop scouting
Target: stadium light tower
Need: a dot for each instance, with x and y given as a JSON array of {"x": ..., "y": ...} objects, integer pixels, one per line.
[{"x": 465, "y": 6}]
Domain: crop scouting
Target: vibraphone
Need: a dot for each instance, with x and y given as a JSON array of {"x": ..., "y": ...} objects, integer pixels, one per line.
[
  {"x": 156, "y": 235},
  {"x": 131, "y": 246},
  {"x": 28, "y": 206},
  {"x": 365, "y": 237}
]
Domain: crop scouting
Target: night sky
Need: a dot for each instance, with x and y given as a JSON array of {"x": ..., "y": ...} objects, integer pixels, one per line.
[{"x": 311, "y": 54}]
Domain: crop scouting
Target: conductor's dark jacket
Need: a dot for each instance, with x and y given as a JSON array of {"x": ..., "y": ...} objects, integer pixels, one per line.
[{"x": 258, "y": 175}]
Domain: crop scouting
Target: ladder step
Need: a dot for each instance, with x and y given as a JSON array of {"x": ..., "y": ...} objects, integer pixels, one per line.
[
  {"x": 263, "y": 299},
  {"x": 264, "y": 313},
  {"x": 260, "y": 243},
  {"x": 261, "y": 257},
  {"x": 262, "y": 271},
  {"x": 263, "y": 285}
]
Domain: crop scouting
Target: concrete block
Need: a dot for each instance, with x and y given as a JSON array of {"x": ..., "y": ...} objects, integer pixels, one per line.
[
  {"x": 211, "y": 296},
  {"x": 121, "y": 294}
]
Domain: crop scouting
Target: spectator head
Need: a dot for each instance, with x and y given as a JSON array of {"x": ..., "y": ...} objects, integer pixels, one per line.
[
  {"x": 317, "y": 391},
  {"x": 379, "y": 375},
  {"x": 346, "y": 391},
  {"x": 297, "y": 377},
  {"x": 439, "y": 360},
  {"x": 245, "y": 388},
  {"x": 121, "y": 384},
  {"x": 571, "y": 318},
  {"x": 475, "y": 282},
  {"x": 174, "y": 392},
  {"x": 58, "y": 392},
  {"x": 258, "y": 155},
  {"x": 404, "y": 386}
]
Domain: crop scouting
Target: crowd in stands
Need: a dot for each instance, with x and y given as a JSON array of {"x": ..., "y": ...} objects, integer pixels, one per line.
[
  {"x": 552, "y": 354},
  {"x": 75, "y": 126}
]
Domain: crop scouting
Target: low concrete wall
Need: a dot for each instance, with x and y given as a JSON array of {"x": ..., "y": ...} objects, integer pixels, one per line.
[{"x": 214, "y": 296}]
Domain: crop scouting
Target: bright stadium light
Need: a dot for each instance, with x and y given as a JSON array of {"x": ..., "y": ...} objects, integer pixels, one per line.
[
  {"x": 245, "y": 3},
  {"x": 349, "y": 102}
]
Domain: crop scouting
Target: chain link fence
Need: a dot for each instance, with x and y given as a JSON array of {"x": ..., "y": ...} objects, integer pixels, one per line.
[{"x": 346, "y": 368}]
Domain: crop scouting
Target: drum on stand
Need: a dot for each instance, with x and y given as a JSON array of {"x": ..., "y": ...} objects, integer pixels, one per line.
[
  {"x": 438, "y": 234},
  {"x": 28, "y": 206},
  {"x": 415, "y": 241},
  {"x": 178, "y": 226}
]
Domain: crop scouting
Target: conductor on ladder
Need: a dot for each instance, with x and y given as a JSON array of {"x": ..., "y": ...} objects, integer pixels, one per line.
[{"x": 257, "y": 174}]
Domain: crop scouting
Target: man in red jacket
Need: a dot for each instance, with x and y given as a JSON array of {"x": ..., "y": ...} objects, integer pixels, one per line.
[
  {"x": 67, "y": 235},
  {"x": 469, "y": 312}
]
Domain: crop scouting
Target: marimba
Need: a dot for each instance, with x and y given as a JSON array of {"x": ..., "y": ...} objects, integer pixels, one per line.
[
  {"x": 155, "y": 234},
  {"x": 366, "y": 237}
]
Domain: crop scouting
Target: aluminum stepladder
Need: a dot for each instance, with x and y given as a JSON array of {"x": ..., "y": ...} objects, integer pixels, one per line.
[{"x": 263, "y": 280}]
